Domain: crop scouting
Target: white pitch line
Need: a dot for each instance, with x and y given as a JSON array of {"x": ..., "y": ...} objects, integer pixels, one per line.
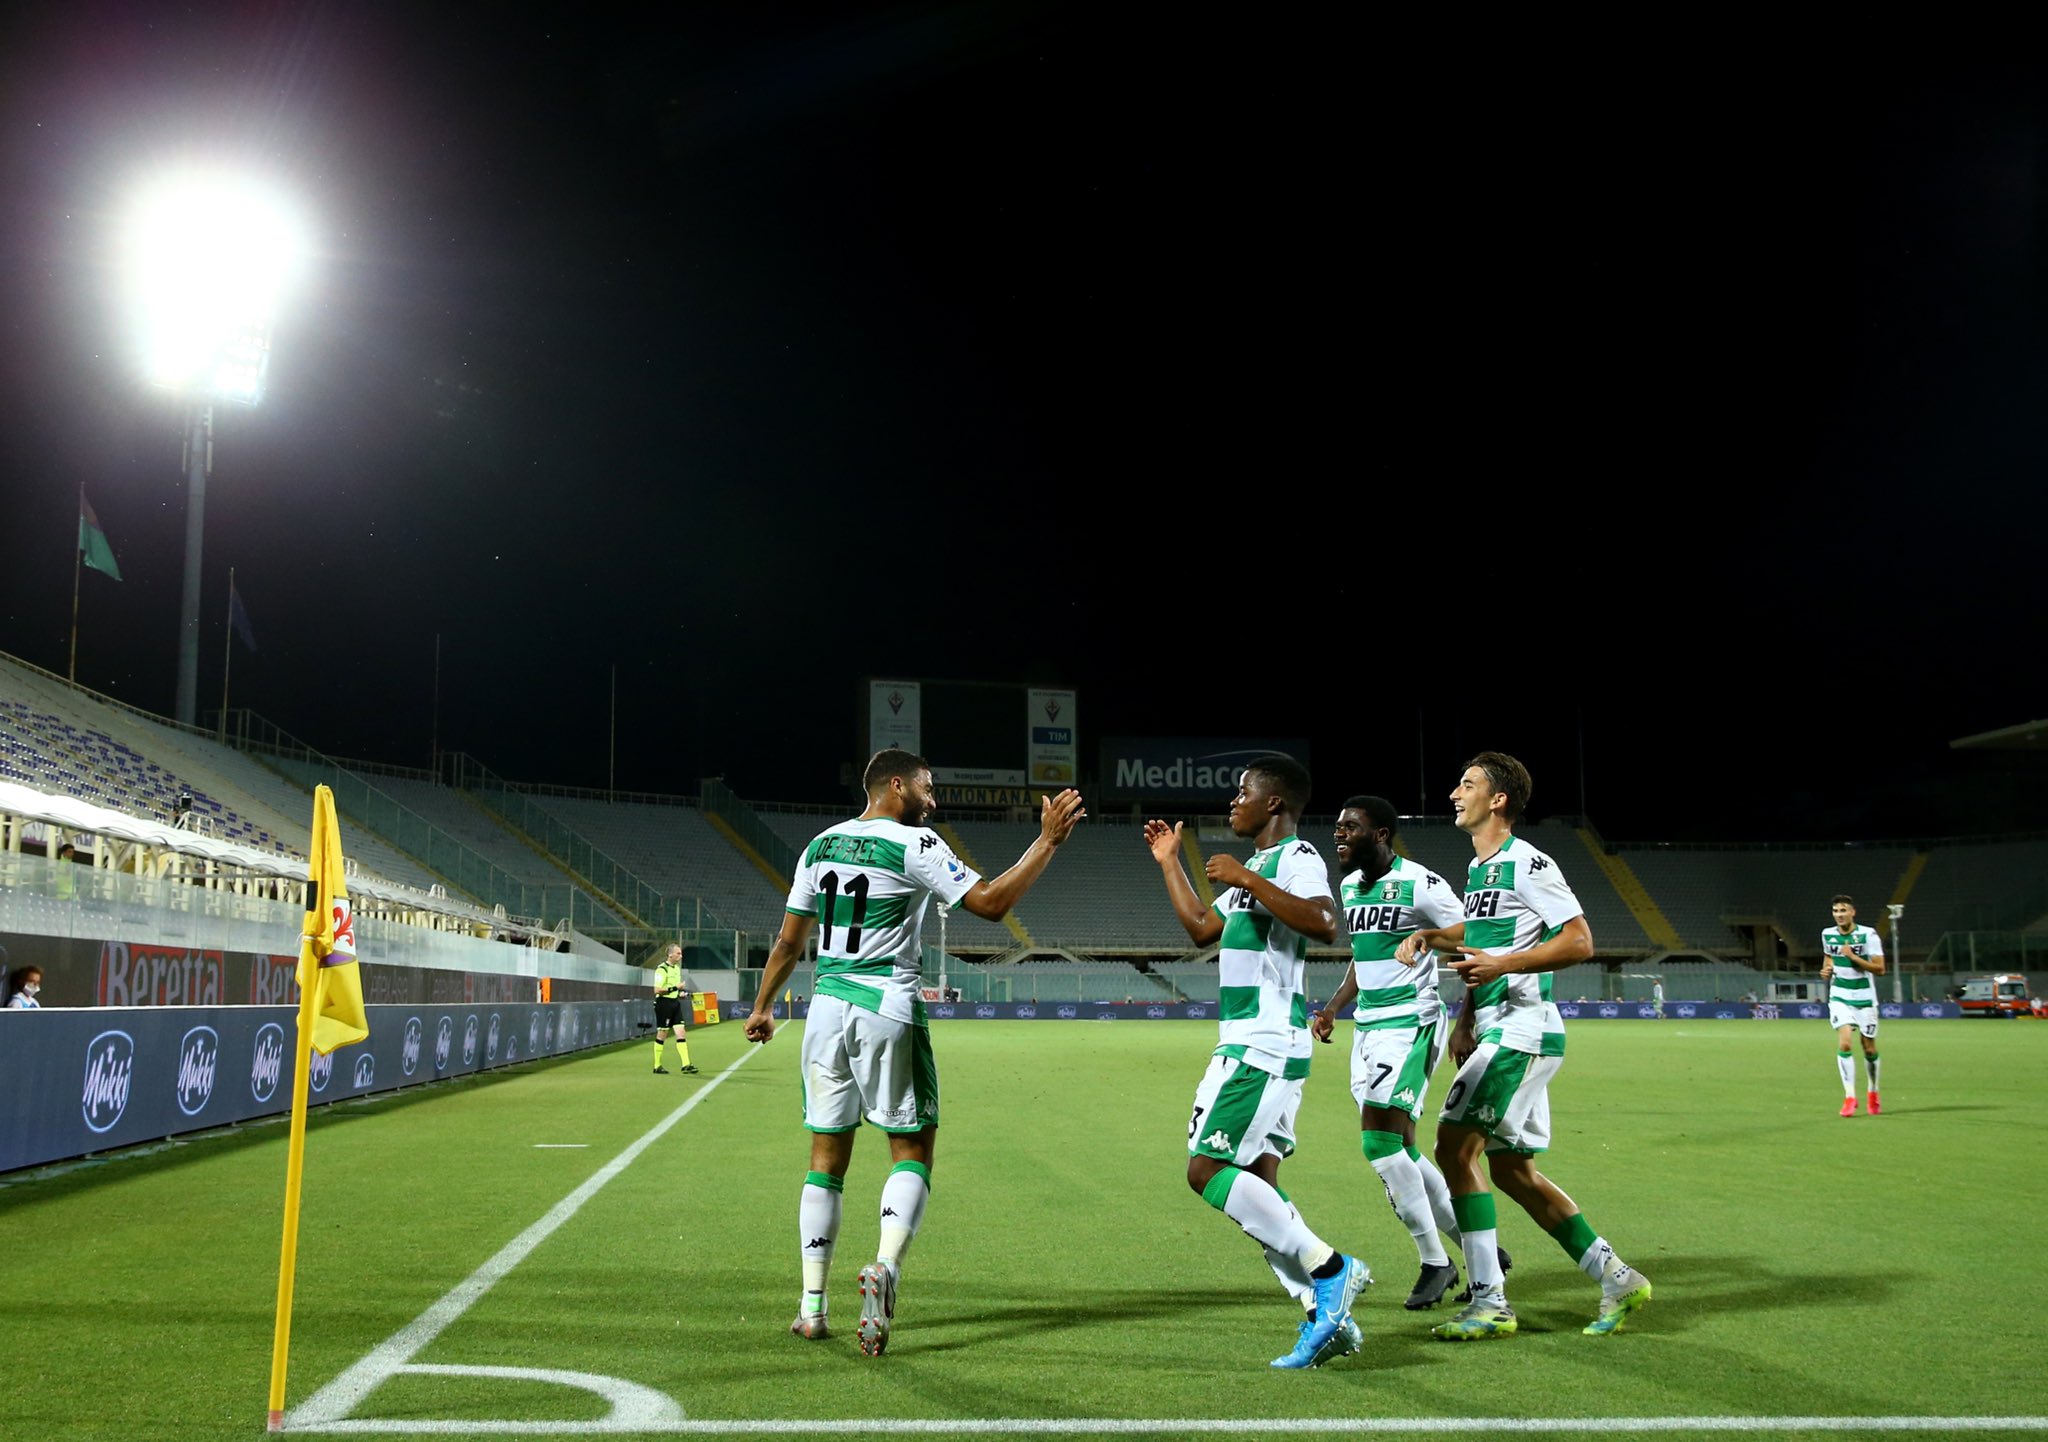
[
  {"x": 559, "y": 1146},
  {"x": 338, "y": 1398},
  {"x": 1119, "y": 1426}
]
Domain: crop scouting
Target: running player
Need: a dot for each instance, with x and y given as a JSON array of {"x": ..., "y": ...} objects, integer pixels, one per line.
[
  {"x": 1243, "y": 1123},
  {"x": 867, "y": 1051},
  {"x": 1399, "y": 1038},
  {"x": 1850, "y": 956},
  {"x": 1521, "y": 922}
]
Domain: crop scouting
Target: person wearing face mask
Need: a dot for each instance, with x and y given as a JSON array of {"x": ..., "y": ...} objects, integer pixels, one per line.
[{"x": 28, "y": 982}]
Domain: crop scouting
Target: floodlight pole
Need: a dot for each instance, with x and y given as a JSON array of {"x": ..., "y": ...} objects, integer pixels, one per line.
[{"x": 198, "y": 465}]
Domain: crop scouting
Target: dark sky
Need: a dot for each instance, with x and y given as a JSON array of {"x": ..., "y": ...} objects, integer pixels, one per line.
[{"x": 1675, "y": 400}]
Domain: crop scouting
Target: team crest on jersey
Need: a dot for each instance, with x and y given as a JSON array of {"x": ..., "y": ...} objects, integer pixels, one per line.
[
  {"x": 1390, "y": 891},
  {"x": 1492, "y": 876}
]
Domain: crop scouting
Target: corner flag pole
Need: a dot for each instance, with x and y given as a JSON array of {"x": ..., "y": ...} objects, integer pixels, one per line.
[{"x": 295, "y": 1161}]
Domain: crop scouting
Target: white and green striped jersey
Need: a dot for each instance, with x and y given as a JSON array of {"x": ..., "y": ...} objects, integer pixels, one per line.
[
  {"x": 1383, "y": 913},
  {"x": 1851, "y": 985},
  {"x": 1516, "y": 899},
  {"x": 1263, "y": 1008},
  {"x": 867, "y": 882}
]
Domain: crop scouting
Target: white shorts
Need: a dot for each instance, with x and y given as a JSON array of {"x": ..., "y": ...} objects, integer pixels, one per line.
[
  {"x": 1863, "y": 1018},
  {"x": 1391, "y": 1065},
  {"x": 1241, "y": 1113},
  {"x": 1506, "y": 1094},
  {"x": 860, "y": 1065}
]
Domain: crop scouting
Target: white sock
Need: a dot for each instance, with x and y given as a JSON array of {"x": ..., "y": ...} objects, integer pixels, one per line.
[
  {"x": 904, "y": 1196},
  {"x": 1271, "y": 1219},
  {"x": 1846, "y": 1065},
  {"x": 817, "y": 1221},
  {"x": 1295, "y": 1278},
  {"x": 1405, "y": 1189},
  {"x": 1439, "y": 1192},
  {"x": 1482, "y": 1249}
]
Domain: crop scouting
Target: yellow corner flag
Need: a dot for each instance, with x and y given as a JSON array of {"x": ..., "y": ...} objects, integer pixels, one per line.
[
  {"x": 330, "y": 1016},
  {"x": 327, "y": 953}
]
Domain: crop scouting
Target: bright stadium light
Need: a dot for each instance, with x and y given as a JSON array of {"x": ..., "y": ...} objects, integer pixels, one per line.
[{"x": 208, "y": 257}]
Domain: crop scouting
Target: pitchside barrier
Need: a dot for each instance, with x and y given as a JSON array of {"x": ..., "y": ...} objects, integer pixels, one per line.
[
  {"x": 73, "y": 1082},
  {"x": 1204, "y": 1011}
]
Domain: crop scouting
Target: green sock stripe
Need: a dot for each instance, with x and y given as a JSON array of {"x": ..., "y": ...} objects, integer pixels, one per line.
[
  {"x": 919, "y": 1167},
  {"x": 1575, "y": 1235},
  {"x": 1843, "y": 1052},
  {"x": 1283, "y": 1196},
  {"x": 826, "y": 1180},
  {"x": 1413, "y": 1154},
  {"x": 1870, "y": 1056},
  {"x": 1475, "y": 1212},
  {"x": 1217, "y": 1192},
  {"x": 1379, "y": 1145}
]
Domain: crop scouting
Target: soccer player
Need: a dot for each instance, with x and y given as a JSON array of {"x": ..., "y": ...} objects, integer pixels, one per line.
[
  {"x": 1850, "y": 956},
  {"x": 864, "y": 885},
  {"x": 1243, "y": 1123},
  {"x": 1521, "y": 922},
  {"x": 668, "y": 1012},
  {"x": 1399, "y": 1038}
]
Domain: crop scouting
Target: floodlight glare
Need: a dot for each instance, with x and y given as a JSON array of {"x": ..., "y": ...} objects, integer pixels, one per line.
[{"x": 208, "y": 258}]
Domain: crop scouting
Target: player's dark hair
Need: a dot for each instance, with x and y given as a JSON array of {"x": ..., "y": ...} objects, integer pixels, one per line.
[
  {"x": 1285, "y": 777},
  {"x": 1841, "y": 896},
  {"x": 1378, "y": 810},
  {"x": 891, "y": 761},
  {"x": 1507, "y": 776}
]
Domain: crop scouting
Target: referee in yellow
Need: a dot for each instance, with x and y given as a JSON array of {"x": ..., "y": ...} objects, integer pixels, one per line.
[{"x": 668, "y": 1011}]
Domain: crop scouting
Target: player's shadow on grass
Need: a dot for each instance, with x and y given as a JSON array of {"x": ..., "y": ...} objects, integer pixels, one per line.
[{"x": 1692, "y": 1289}]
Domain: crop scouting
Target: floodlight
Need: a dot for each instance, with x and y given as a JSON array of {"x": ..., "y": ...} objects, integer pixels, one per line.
[{"x": 208, "y": 257}]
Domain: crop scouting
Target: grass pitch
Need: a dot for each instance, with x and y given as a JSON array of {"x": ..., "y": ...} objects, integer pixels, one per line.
[{"x": 1805, "y": 1265}]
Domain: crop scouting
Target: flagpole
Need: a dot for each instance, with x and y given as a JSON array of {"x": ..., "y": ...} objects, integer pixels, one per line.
[
  {"x": 228, "y": 660},
  {"x": 77, "y": 555},
  {"x": 295, "y": 1160}
]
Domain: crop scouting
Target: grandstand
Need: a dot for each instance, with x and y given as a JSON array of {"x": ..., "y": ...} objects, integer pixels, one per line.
[{"x": 1699, "y": 908}]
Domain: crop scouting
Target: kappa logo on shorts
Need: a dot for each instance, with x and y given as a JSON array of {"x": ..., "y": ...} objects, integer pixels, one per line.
[
  {"x": 1487, "y": 1114},
  {"x": 1405, "y": 1096},
  {"x": 1220, "y": 1140}
]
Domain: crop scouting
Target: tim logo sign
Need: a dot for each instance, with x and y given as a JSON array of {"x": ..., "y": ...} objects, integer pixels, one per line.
[
  {"x": 266, "y": 1061},
  {"x": 109, "y": 1066},
  {"x": 198, "y": 1055}
]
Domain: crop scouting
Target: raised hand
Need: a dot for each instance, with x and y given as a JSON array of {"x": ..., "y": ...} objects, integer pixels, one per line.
[
  {"x": 1163, "y": 840},
  {"x": 1059, "y": 815}
]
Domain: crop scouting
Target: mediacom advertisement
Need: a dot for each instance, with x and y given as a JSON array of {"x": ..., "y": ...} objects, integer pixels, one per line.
[{"x": 1199, "y": 769}]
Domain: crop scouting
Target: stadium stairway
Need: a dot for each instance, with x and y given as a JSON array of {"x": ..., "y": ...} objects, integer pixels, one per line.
[
  {"x": 1191, "y": 848},
  {"x": 1909, "y": 878},
  {"x": 747, "y": 833},
  {"x": 1015, "y": 926},
  {"x": 1634, "y": 895}
]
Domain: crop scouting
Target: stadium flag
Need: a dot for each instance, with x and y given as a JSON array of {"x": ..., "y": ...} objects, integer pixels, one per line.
[
  {"x": 237, "y": 616},
  {"x": 92, "y": 541},
  {"x": 330, "y": 1016}
]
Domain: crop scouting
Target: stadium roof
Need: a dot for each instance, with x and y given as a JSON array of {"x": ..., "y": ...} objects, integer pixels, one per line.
[{"x": 2028, "y": 736}]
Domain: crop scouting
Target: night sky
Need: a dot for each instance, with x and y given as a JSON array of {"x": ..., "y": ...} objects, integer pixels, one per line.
[{"x": 1676, "y": 401}]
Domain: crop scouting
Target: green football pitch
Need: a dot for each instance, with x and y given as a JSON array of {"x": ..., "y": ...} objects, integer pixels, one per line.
[{"x": 566, "y": 1242}]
